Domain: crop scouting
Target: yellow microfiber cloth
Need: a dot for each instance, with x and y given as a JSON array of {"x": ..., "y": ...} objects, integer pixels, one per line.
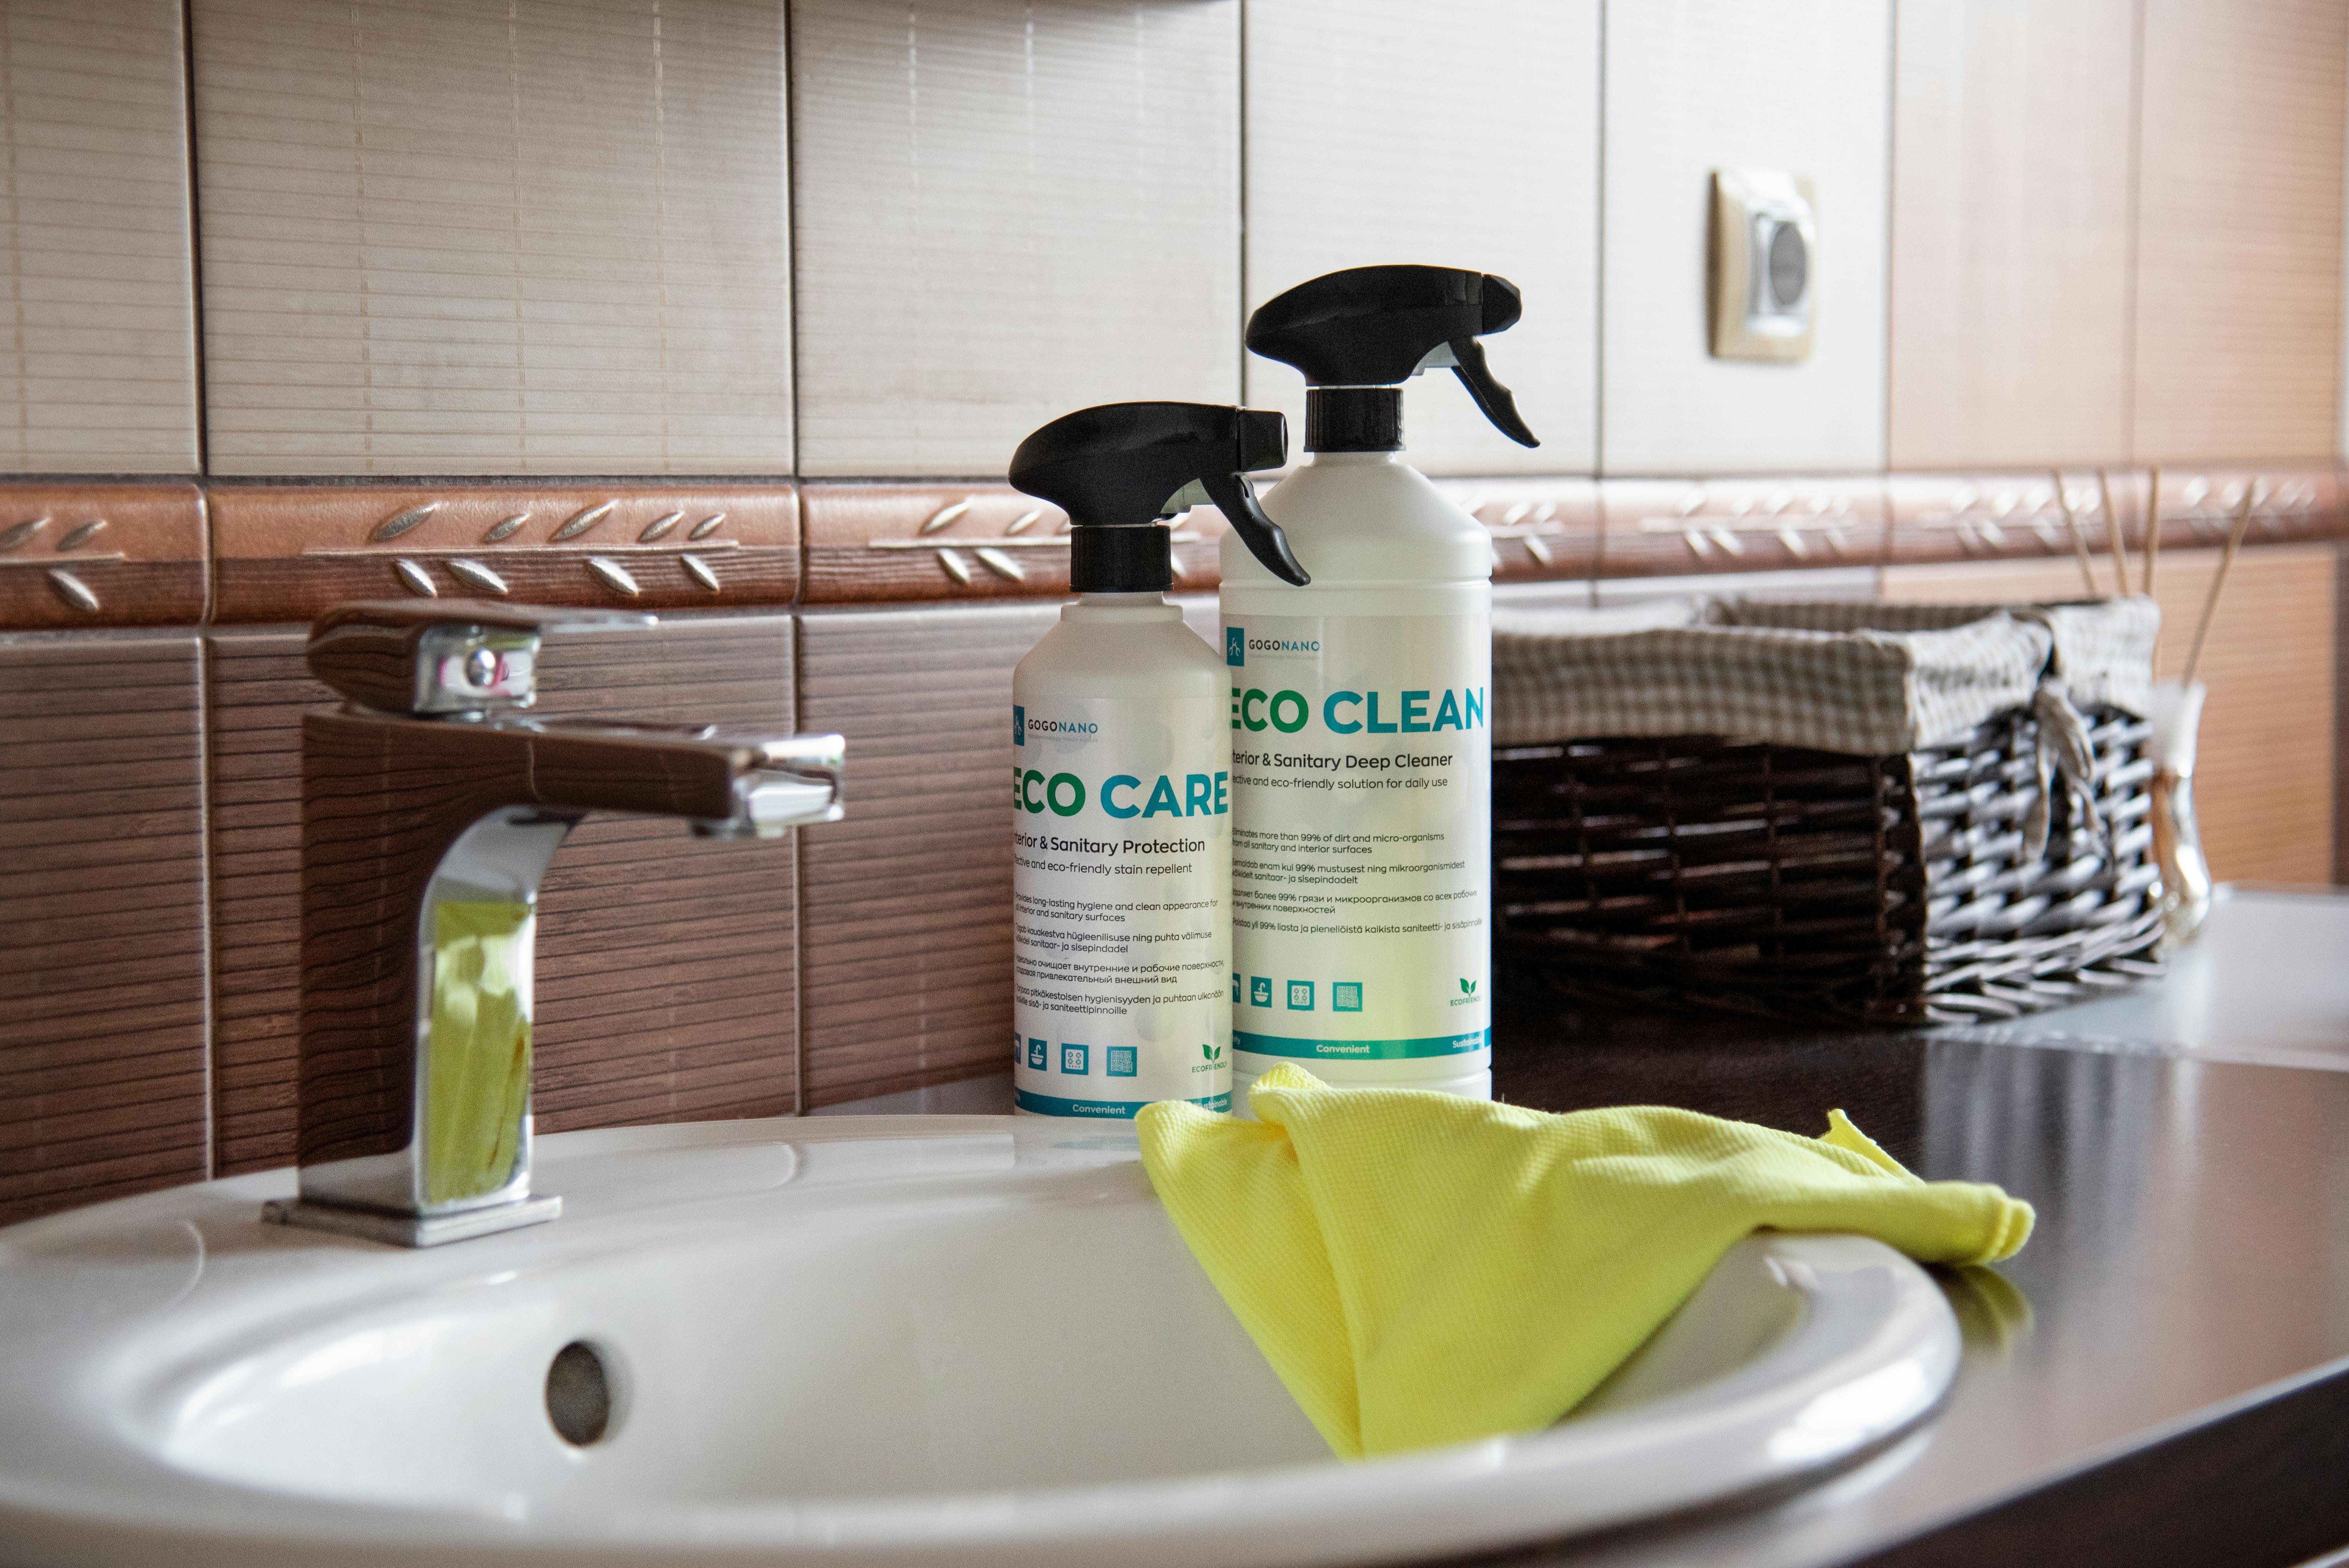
[{"x": 1424, "y": 1269}]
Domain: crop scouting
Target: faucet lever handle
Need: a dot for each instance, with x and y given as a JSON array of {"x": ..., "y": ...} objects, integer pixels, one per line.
[{"x": 447, "y": 655}]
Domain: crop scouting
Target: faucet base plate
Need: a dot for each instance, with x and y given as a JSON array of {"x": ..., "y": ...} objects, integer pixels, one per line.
[{"x": 410, "y": 1230}]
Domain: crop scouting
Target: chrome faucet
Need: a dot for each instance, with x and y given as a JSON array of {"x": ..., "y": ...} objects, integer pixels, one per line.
[{"x": 431, "y": 807}]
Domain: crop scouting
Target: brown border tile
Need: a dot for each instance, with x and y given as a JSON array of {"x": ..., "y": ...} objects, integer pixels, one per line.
[
  {"x": 868, "y": 542},
  {"x": 1542, "y": 531},
  {"x": 288, "y": 551},
  {"x": 101, "y": 555},
  {"x": 1974, "y": 515},
  {"x": 1689, "y": 527},
  {"x": 1956, "y": 517},
  {"x": 2296, "y": 505}
]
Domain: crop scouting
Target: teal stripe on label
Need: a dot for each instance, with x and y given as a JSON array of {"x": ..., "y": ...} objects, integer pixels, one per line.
[
  {"x": 1362, "y": 1050},
  {"x": 1104, "y": 1109}
]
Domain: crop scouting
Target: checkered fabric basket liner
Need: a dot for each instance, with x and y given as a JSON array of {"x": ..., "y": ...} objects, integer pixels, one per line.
[
  {"x": 1833, "y": 676},
  {"x": 1896, "y": 813}
]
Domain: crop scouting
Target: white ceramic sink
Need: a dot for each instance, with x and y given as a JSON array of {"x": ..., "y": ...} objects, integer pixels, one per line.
[{"x": 885, "y": 1339}]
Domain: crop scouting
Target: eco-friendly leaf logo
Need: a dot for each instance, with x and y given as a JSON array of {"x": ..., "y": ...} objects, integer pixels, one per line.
[
  {"x": 1467, "y": 987},
  {"x": 1213, "y": 1052}
]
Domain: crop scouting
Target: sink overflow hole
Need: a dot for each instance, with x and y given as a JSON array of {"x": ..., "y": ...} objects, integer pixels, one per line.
[{"x": 578, "y": 1395}]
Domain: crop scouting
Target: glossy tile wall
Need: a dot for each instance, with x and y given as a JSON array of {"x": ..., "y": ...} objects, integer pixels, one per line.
[
  {"x": 559, "y": 240},
  {"x": 1004, "y": 212},
  {"x": 906, "y": 959},
  {"x": 2013, "y": 187},
  {"x": 1342, "y": 173},
  {"x": 103, "y": 1003},
  {"x": 733, "y": 309},
  {"x": 1692, "y": 86},
  {"x": 98, "y": 351},
  {"x": 2240, "y": 204},
  {"x": 455, "y": 239}
]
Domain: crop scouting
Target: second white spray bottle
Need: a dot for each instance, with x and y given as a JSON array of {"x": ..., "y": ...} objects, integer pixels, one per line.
[
  {"x": 1120, "y": 785},
  {"x": 1361, "y": 760}
]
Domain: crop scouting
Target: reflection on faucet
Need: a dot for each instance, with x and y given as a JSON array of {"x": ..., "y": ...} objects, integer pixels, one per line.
[
  {"x": 430, "y": 809},
  {"x": 477, "y": 1082}
]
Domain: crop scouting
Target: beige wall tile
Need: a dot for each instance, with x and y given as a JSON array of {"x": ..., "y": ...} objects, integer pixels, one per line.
[
  {"x": 2240, "y": 212},
  {"x": 1006, "y": 211},
  {"x": 2011, "y": 191},
  {"x": 98, "y": 371},
  {"x": 1692, "y": 86},
  {"x": 549, "y": 237},
  {"x": 1461, "y": 135}
]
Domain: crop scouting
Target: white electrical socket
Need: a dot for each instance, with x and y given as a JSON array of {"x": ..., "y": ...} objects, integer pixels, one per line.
[{"x": 1766, "y": 281}]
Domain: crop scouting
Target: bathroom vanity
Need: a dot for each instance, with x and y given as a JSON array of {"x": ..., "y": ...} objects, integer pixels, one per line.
[
  {"x": 2166, "y": 1377},
  {"x": 785, "y": 1340}
]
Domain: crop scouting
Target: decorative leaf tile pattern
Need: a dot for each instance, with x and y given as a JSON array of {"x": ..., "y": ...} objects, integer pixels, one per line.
[
  {"x": 288, "y": 552},
  {"x": 91, "y": 555}
]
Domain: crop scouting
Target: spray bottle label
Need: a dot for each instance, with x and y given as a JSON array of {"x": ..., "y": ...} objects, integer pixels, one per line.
[
  {"x": 1121, "y": 896},
  {"x": 1362, "y": 869}
]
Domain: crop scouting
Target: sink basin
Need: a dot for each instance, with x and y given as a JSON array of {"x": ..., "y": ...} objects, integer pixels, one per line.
[{"x": 885, "y": 1339}]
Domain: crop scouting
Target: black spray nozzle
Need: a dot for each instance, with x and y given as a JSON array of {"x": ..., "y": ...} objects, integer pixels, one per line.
[
  {"x": 1379, "y": 327},
  {"x": 1125, "y": 465}
]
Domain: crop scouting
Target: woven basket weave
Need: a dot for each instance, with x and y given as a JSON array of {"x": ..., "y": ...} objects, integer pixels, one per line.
[{"x": 1894, "y": 887}]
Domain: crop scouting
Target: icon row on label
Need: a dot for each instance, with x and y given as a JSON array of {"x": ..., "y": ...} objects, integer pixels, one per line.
[
  {"x": 1345, "y": 995},
  {"x": 1117, "y": 1061}
]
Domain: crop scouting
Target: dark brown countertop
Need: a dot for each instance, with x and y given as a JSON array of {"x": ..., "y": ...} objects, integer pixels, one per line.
[{"x": 2161, "y": 1377}]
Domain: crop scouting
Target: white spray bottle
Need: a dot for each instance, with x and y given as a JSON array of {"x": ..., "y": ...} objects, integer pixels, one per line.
[
  {"x": 1121, "y": 773},
  {"x": 1362, "y": 749}
]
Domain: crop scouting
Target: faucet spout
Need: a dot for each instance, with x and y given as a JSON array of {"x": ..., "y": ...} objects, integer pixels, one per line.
[{"x": 425, "y": 835}]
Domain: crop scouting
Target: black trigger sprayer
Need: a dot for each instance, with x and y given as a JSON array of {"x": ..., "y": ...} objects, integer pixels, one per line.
[
  {"x": 1121, "y": 762},
  {"x": 1119, "y": 469},
  {"x": 1358, "y": 335}
]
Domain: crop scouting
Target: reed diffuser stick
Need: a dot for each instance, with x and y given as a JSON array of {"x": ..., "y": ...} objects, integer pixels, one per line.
[
  {"x": 2226, "y": 559},
  {"x": 2079, "y": 540},
  {"x": 2113, "y": 529}
]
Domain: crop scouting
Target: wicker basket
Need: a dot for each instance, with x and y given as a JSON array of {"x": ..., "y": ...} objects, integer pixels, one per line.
[{"x": 1889, "y": 886}]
